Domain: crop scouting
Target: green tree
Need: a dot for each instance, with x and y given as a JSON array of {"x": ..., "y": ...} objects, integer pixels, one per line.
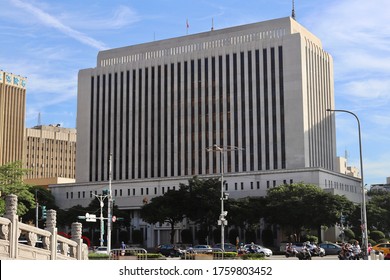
[
  {"x": 304, "y": 206},
  {"x": 11, "y": 182},
  {"x": 378, "y": 210},
  {"x": 44, "y": 197},
  {"x": 166, "y": 208},
  {"x": 245, "y": 213},
  {"x": 204, "y": 203}
]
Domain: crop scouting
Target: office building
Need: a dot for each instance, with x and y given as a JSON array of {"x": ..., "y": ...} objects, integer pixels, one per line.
[
  {"x": 50, "y": 152},
  {"x": 12, "y": 114},
  {"x": 259, "y": 89}
]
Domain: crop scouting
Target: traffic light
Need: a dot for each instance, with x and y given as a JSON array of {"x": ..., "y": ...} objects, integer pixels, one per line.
[{"x": 43, "y": 212}]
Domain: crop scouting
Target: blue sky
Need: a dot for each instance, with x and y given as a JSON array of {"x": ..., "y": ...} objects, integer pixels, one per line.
[{"x": 50, "y": 41}]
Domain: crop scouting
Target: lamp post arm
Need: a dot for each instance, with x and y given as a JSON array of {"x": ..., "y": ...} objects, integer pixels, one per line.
[{"x": 364, "y": 211}]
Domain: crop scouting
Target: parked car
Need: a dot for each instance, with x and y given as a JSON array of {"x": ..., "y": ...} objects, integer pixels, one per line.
[
  {"x": 202, "y": 249},
  {"x": 259, "y": 249},
  {"x": 170, "y": 250},
  {"x": 229, "y": 247},
  {"x": 382, "y": 247},
  {"x": 101, "y": 250},
  {"x": 331, "y": 248}
]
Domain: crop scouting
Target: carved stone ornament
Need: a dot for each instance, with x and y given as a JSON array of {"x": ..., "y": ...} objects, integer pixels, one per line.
[
  {"x": 73, "y": 252},
  {"x": 4, "y": 232},
  {"x": 51, "y": 220},
  {"x": 46, "y": 242},
  {"x": 32, "y": 239},
  {"x": 11, "y": 205}
]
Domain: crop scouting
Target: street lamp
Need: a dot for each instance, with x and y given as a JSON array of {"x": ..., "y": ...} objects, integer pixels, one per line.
[
  {"x": 224, "y": 196},
  {"x": 364, "y": 211}
]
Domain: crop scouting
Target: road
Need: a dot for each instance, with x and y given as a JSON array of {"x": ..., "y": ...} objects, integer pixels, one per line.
[{"x": 283, "y": 257}]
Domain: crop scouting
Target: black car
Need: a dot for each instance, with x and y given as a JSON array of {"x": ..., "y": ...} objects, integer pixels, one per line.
[{"x": 169, "y": 250}]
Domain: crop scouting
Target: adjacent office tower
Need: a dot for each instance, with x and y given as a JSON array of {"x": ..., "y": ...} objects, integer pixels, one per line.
[
  {"x": 12, "y": 114},
  {"x": 50, "y": 152},
  {"x": 157, "y": 107}
]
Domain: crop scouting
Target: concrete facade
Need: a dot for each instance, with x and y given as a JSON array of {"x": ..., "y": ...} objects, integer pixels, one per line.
[
  {"x": 12, "y": 114},
  {"x": 50, "y": 152},
  {"x": 156, "y": 107}
]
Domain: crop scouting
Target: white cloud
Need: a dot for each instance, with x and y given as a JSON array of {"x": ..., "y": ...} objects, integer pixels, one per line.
[
  {"x": 376, "y": 89},
  {"x": 51, "y": 21}
]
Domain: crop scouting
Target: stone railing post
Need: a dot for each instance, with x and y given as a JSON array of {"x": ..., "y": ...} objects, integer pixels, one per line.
[
  {"x": 51, "y": 226},
  {"x": 11, "y": 206},
  {"x": 76, "y": 236}
]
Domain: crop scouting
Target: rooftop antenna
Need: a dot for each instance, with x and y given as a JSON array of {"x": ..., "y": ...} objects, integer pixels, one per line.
[
  {"x": 293, "y": 10},
  {"x": 39, "y": 118},
  {"x": 212, "y": 24}
]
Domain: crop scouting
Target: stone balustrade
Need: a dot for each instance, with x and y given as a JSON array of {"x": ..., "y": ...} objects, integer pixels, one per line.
[{"x": 26, "y": 242}]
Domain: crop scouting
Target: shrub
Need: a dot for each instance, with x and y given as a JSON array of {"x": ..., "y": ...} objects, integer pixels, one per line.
[
  {"x": 349, "y": 234},
  {"x": 311, "y": 238},
  {"x": 96, "y": 256},
  {"x": 255, "y": 256},
  {"x": 377, "y": 235},
  {"x": 226, "y": 255}
]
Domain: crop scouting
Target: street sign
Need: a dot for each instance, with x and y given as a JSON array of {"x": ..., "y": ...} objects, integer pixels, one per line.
[{"x": 90, "y": 217}]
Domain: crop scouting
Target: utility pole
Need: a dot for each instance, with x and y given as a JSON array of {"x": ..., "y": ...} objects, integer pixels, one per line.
[
  {"x": 109, "y": 214},
  {"x": 36, "y": 208},
  {"x": 101, "y": 198},
  {"x": 224, "y": 196}
]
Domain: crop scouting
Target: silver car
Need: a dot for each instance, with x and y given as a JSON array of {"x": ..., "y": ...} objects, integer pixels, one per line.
[
  {"x": 259, "y": 249},
  {"x": 202, "y": 249}
]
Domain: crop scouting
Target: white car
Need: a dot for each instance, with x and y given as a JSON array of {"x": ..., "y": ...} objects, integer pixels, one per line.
[
  {"x": 259, "y": 249},
  {"x": 101, "y": 250}
]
